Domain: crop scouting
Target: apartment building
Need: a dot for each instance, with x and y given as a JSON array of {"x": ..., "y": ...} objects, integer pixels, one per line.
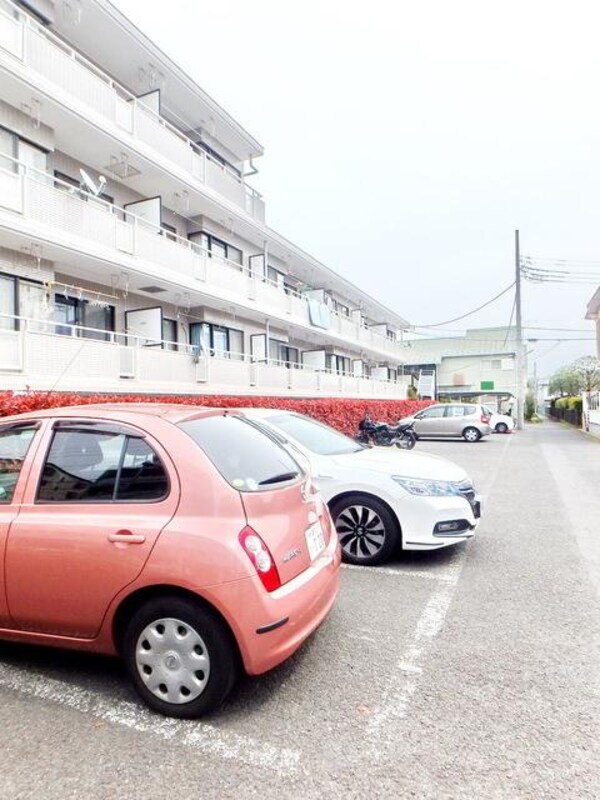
[
  {"x": 482, "y": 363},
  {"x": 134, "y": 252}
]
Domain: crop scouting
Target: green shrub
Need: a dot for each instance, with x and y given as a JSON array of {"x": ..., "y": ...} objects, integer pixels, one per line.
[
  {"x": 573, "y": 403},
  {"x": 529, "y": 410}
]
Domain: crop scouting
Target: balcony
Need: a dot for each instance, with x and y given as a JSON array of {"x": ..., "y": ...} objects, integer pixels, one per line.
[
  {"x": 43, "y": 354},
  {"x": 37, "y": 206},
  {"x": 71, "y": 79}
]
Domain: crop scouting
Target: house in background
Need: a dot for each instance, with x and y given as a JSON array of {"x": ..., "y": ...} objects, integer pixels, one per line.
[
  {"x": 591, "y": 402},
  {"x": 482, "y": 364},
  {"x": 593, "y": 313},
  {"x": 134, "y": 251}
]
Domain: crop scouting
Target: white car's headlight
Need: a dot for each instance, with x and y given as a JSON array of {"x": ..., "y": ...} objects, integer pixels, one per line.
[{"x": 427, "y": 488}]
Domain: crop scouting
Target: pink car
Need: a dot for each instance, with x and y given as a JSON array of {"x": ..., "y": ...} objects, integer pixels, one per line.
[{"x": 181, "y": 538}]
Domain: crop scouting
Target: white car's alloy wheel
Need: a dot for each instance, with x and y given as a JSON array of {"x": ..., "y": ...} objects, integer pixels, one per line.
[{"x": 367, "y": 530}]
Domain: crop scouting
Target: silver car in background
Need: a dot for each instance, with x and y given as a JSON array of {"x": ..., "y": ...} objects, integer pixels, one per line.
[{"x": 469, "y": 421}]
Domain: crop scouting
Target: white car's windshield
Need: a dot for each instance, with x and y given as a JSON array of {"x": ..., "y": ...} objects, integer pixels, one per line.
[{"x": 316, "y": 437}]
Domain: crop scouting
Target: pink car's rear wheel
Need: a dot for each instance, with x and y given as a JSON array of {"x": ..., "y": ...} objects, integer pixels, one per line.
[{"x": 180, "y": 657}]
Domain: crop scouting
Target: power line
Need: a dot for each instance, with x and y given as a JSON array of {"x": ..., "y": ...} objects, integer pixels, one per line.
[
  {"x": 512, "y": 313},
  {"x": 469, "y": 313}
]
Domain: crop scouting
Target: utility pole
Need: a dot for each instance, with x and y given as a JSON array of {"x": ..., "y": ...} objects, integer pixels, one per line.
[{"x": 519, "y": 362}]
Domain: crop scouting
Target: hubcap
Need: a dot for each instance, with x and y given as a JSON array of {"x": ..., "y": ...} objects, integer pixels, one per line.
[
  {"x": 172, "y": 660},
  {"x": 471, "y": 436},
  {"x": 360, "y": 530}
]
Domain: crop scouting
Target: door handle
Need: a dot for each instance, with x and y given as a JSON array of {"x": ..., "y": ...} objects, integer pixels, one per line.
[{"x": 126, "y": 537}]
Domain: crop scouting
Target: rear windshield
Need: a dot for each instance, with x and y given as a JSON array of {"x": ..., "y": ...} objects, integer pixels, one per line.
[{"x": 248, "y": 459}]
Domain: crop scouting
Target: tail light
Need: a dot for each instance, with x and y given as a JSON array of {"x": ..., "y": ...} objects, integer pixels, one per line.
[
  {"x": 485, "y": 419},
  {"x": 258, "y": 553}
]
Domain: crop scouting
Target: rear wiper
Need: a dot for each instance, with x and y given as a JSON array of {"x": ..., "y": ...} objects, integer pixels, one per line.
[{"x": 284, "y": 476}]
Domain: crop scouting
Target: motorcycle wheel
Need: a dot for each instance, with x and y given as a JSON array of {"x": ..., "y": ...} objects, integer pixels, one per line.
[{"x": 406, "y": 443}]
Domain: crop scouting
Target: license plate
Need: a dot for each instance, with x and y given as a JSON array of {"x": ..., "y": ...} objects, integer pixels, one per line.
[{"x": 315, "y": 541}]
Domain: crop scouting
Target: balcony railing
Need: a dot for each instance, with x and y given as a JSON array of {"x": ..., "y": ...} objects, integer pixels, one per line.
[
  {"x": 46, "y": 54},
  {"x": 96, "y": 225},
  {"x": 49, "y": 354}
]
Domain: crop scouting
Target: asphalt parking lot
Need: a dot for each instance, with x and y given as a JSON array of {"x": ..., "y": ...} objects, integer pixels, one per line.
[{"x": 468, "y": 672}]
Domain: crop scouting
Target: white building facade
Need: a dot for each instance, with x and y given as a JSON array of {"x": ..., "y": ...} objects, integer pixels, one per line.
[
  {"x": 134, "y": 253},
  {"x": 483, "y": 363}
]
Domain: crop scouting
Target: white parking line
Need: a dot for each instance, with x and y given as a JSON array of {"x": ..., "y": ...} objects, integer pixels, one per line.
[
  {"x": 395, "y": 700},
  {"x": 200, "y": 735},
  {"x": 441, "y": 575},
  {"x": 410, "y": 666}
]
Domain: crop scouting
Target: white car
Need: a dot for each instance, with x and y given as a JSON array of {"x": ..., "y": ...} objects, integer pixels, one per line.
[
  {"x": 500, "y": 423},
  {"x": 379, "y": 499}
]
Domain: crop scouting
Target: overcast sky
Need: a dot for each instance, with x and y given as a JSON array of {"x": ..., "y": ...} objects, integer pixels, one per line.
[{"x": 405, "y": 141}]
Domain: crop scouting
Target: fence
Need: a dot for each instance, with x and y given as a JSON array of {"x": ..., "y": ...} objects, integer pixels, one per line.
[{"x": 573, "y": 416}]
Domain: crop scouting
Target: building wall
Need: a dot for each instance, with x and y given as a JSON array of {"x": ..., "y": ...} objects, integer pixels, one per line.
[
  {"x": 469, "y": 372},
  {"x": 23, "y": 124}
]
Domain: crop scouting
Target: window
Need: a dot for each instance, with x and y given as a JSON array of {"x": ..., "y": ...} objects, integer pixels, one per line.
[
  {"x": 81, "y": 466},
  {"x": 169, "y": 333},
  {"x": 340, "y": 308},
  {"x": 8, "y": 150},
  {"x": 217, "y": 248},
  {"x": 14, "y": 444},
  {"x": 455, "y": 411},
  {"x": 71, "y": 312},
  {"x": 33, "y": 302},
  {"x": 281, "y": 351},
  {"x": 495, "y": 363},
  {"x": 20, "y": 297},
  {"x": 315, "y": 436},
  {"x": 248, "y": 459},
  {"x": 8, "y": 302},
  {"x": 100, "y": 316},
  {"x": 338, "y": 364},
  {"x": 13, "y": 148},
  {"x": 32, "y": 156},
  {"x": 67, "y": 310},
  {"x": 93, "y": 467},
  {"x": 217, "y": 157},
  {"x": 170, "y": 231},
  {"x": 142, "y": 476},
  {"x": 432, "y": 413},
  {"x": 276, "y": 277},
  {"x": 216, "y": 340}
]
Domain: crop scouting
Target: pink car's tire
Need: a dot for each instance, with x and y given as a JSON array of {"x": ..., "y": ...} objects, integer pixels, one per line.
[{"x": 180, "y": 656}]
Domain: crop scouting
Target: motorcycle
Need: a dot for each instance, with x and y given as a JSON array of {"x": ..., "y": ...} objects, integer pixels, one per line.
[{"x": 401, "y": 435}]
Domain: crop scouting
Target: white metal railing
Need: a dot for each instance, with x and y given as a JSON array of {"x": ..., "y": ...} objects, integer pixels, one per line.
[
  {"x": 39, "y": 196},
  {"x": 41, "y": 50},
  {"x": 43, "y": 351}
]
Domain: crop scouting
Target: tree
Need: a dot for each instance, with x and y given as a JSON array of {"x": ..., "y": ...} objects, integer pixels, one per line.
[
  {"x": 588, "y": 370},
  {"x": 566, "y": 382}
]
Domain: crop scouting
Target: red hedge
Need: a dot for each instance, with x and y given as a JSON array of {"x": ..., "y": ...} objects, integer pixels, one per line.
[{"x": 342, "y": 413}]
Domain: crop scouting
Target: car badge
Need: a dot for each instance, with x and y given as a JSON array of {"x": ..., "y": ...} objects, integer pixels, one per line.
[{"x": 292, "y": 554}]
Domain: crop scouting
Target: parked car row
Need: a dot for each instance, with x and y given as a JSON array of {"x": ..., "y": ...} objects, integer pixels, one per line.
[
  {"x": 469, "y": 421},
  {"x": 196, "y": 543}
]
